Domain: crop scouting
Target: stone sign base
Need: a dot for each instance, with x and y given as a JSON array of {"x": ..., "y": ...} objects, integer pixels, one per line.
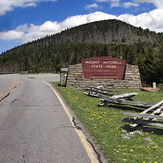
[{"x": 75, "y": 79}]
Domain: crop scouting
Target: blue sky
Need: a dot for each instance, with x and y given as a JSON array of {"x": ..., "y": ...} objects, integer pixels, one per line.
[{"x": 22, "y": 21}]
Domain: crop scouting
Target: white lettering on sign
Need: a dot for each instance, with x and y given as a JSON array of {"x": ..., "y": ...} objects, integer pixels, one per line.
[
  {"x": 103, "y": 68},
  {"x": 92, "y": 62},
  {"x": 112, "y": 62},
  {"x": 96, "y": 66},
  {"x": 111, "y": 66}
]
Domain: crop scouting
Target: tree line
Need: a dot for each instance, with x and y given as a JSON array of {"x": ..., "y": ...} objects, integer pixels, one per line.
[{"x": 110, "y": 38}]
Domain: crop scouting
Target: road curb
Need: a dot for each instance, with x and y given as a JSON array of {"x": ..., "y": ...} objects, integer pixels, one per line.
[{"x": 92, "y": 148}]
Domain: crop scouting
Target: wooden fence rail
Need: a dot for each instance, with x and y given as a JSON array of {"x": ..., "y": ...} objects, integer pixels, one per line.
[{"x": 138, "y": 119}]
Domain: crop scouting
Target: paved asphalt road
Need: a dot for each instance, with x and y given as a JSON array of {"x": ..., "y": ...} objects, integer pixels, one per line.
[{"x": 34, "y": 127}]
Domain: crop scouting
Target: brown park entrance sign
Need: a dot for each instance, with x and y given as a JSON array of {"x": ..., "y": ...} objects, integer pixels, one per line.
[{"x": 103, "y": 68}]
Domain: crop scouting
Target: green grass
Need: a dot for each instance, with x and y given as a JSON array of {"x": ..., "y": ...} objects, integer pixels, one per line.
[{"x": 104, "y": 125}]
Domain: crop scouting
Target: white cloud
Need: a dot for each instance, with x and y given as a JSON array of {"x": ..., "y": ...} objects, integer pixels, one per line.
[
  {"x": 152, "y": 20},
  {"x": 10, "y": 35},
  {"x": 25, "y": 33},
  {"x": 90, "y": 6},
  {"x": 102, "y": 0},
  {"x": 9, "y": 5},
  {"x": 130, "y": 4},
  {"x": 113, "y": 3},
  {"x": 157, "y": 3}
]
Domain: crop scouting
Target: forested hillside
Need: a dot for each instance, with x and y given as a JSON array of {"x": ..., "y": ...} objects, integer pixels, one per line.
[{"x": 103, "y": 38}]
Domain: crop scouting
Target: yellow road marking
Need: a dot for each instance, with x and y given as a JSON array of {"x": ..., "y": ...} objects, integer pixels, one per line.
[
  {"x": 11, "y": 89},
  {"x": 83, "y": 139}
]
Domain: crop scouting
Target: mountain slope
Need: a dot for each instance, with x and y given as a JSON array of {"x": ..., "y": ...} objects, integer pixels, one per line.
[
  {"x": 103, "y": 38},
  {"x": 107, "y": 31}
]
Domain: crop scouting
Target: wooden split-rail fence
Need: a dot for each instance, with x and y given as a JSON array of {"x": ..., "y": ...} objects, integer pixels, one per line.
[{"x": 151, "y": 116}]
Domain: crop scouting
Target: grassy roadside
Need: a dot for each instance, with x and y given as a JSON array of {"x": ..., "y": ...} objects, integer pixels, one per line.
[{"x": 104, "y": 124}]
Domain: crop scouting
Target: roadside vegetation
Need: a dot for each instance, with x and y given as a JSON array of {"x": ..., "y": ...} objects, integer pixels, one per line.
[{"x": 106, "y": 127}]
